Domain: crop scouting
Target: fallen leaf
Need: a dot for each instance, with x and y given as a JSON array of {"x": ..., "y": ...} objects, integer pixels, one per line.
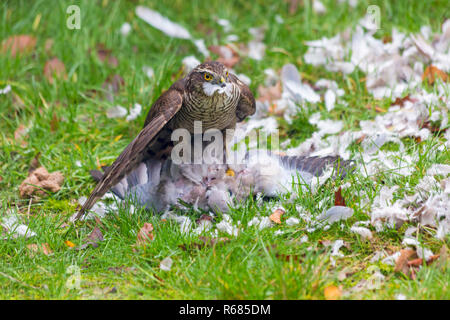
[
  {"x": 338, "y": 199},
  {"x": 55, "y": 69},
  {"x": 401, "y": 265},
  {"x": 105, "y": 55},
  {"x": 46, "y": 249},
  {"x": 92, "y": 239},
  {"x": 204, "y": 217},
  {"x": 270, "y": 93},
  {"x": 276, "y": 215},
  {"x": 69, "y": 243},
  {"x": 145, "y": 234},
  {"x": 401, "y": 101},
  {"x": 18, "y": 44},
  {"x": 227, "y": 55},
  {"x": 96, "y": 235},
  {"x": 419, "y": 261},
  {"x": 431, "y": 73},
  {"x": 332, "y": 293}
]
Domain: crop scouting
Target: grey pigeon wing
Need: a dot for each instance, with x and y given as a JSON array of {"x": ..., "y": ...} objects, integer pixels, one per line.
[{"x": 316, "y": 165}]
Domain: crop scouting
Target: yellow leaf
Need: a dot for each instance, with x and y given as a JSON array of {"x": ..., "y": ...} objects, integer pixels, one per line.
[
  {"x": 230, "y": 173},
  {"x": 332, "y": 293},
  {"x": 69, "y": 243},
  {"x": 117, "y": 138},
  {"x": 36, "y": 21}
]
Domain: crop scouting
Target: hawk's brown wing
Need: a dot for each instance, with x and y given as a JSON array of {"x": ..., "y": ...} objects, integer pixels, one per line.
[
  {"x": 246, "y": 105},
  {"x": 161, "y": 112}
]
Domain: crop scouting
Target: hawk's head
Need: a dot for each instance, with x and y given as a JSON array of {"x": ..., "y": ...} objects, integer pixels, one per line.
[{"x": 210, "y": 78}]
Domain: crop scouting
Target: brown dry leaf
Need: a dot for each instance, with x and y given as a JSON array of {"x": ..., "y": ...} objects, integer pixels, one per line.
[
  {"x": 402, "y": 262},
  {"x": 96, "y": 235},
  {"x": 419, "y": 261},
  {"x": 46, "y": 249},
  {"x": 145, "y": 234},
  {"x": 276, "y": 215},
  {"x": 332, "y": 293},
  {"x": 430, "y": 126},
  {"x": 39, "y": 181},
  {"x": 33, "y": 247},
  {"x": 18, "y": 44},
  {"x": 431, "y": 73},
  {"x": 92, "y": 239},
  {"x": 269, "y": 93},
  {"x": 204, "y": 217},
  {"x": 401, "y": 101},
  {"x": 227, "y": 55},
  {"x": 104, "y": 55},
  {"x": 338, "y": 199},
  {"x": 361, "y": 139},
  {"x": 42, "y": 248},
  {"x": 55, "y": 69}
]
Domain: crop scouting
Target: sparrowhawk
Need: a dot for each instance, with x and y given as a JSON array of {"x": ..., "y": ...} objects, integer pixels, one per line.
[{"x": 209, "y": 93}]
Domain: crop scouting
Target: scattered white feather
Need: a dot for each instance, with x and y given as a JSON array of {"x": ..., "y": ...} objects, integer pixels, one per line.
[
  {"x": 156, "y": 20},
  {"x": 149, "y": 72},
  {"x": 336, "y": 213},
  {"x": 125, "y": 29},
  {"x": 166, "y": 264},
  {"x": 15, "y": 228},
  {"x": 134, "y": 112},
  {"x": 363, "y": 232},
  {"x": 319, "y": 7},
  {"x": 190, "y": 62},
  {"x": 116, "y": 112},
  {"x": 292, "y": 221},
  {"x": 5, "y": 90}
]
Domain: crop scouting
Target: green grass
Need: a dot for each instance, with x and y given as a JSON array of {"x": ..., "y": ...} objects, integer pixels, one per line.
[{"x": 254, "y": 265}]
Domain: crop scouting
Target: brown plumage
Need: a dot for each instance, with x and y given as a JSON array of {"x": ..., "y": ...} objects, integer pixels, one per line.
[{"x": 208, "y": 94}]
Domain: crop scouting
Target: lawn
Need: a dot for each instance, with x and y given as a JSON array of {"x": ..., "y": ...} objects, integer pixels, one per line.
[{"x": 64, "y": 121}]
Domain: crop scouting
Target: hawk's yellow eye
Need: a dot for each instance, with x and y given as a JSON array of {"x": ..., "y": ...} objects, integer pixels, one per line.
[{"x": 208, "y": 77}]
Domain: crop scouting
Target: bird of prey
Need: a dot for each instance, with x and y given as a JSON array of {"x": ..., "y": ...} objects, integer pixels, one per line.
[
  {"x": 163, "y": 184},
  {"x": 209, "y": 93}
]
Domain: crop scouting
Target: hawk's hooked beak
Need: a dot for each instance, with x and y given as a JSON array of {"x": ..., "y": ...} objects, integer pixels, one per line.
[{"x": 222, "y": 81}]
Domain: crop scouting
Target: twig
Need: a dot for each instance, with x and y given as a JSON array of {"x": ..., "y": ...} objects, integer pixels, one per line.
[{"x": 18, "y": 281}]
